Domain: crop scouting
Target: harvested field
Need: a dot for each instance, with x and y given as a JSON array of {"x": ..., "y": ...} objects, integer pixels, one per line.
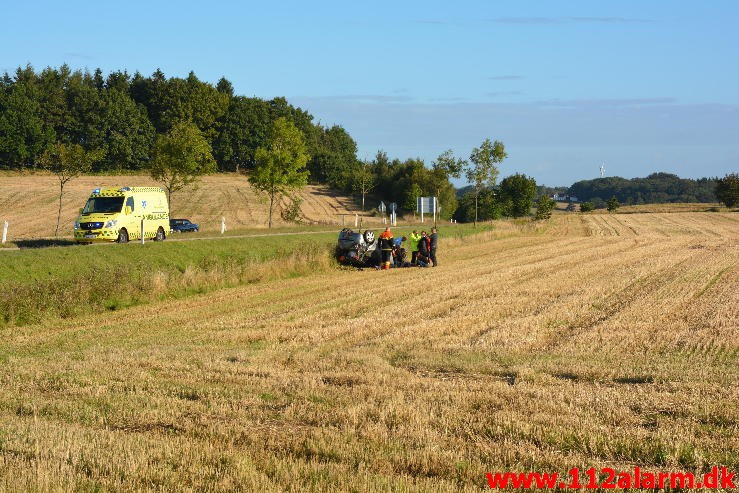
[
  {"x": 30, "y": 202},
  {"x": 589, "y": 341}
]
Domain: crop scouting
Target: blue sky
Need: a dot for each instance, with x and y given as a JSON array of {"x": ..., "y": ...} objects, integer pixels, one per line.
[{"x": 641, "y": 86}]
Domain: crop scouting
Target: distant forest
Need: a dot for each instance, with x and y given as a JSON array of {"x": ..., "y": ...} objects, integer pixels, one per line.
[
  {"x": 656, "y": 188},
  {"x": 123, "y": 113}
]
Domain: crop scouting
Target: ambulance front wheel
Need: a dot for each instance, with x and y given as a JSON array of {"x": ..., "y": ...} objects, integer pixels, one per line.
[
  {"x": 160, "y": 235},
  {"x": 122, "y": 236}
]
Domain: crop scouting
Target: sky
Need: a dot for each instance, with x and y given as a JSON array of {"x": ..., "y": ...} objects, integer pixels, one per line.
[{"x": 637, "y": 86}]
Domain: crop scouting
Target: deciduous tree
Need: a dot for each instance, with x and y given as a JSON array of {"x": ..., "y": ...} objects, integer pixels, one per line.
[
  {"x": 23, "y": 134},
  {"x": 449, "y": 166},
  {"x": 545, "y": 206},
  {"x": 443, "y": 170},
  {"x": 334, "y": 158},
  {"x": 411, "y": 198},
  {"x": 180, "y": 158},
  {"x": 727, "y": 190},
  {"x": 68, "y": 161},
  {"x": 280, "y": 167},
  {"x": 483, "y": 170},
  {"x": 363, "y": 179},
  {"x": 517, "y": 194},
  {"x": 243, "y": 129}
]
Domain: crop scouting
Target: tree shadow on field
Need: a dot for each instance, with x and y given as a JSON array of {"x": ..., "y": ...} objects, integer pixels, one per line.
[{"x": 44, "y": 243}]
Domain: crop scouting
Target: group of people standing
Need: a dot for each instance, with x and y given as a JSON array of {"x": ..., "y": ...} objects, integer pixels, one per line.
[{"x": 422, "y": 247}]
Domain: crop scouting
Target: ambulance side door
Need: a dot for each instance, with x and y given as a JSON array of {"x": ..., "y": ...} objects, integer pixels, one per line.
[{"x": 132, "y": 219}]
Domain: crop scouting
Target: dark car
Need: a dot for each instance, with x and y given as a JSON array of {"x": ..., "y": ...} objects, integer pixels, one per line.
[{"x": 182, "y": 225}]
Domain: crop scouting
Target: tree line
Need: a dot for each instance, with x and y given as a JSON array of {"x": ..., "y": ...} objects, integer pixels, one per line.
[
  {"x": 656, "y": 188},
  {"x": 74, "y": 122},
  {"x": 122, "y": 114}
]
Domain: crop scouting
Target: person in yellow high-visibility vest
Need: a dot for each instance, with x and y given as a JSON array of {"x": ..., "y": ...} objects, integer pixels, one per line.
[{"x": 413, "y": 240}]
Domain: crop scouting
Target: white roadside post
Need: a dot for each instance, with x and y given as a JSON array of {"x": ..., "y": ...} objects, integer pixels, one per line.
[
  {"x": 223, "y": 225},
  {"x": 142, "y": 230},
  {"x": 356, "y": 220},
  {"x": 435, "y": 205},
  {"x": 5, "y": 231}
]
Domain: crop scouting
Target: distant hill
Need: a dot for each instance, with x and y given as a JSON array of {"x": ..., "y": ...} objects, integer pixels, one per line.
[
  {"x": 461, "y": 192},
  {"x": 657, "y": 188}
]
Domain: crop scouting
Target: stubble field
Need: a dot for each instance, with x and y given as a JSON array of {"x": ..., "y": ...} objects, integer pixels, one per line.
[
  {"x": 589, "y": 341},
  {"x": 30, "y": 202}
]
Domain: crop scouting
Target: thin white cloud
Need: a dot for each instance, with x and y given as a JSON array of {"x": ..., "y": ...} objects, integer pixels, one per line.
[
  {"x": 360, "y": 98},
  {"x": 80, "y": 56},
  {"x": 506, "y": 77},
  {"x": 568, "y": 20},
  {"x": 498, "y": 94},
  {"x": 616, "y": 102}
]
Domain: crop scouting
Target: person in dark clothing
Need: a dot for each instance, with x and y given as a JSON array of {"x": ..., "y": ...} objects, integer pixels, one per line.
[
  {"x": 424, "y": 250},
  {"x": 434, "y": 239},
  {"x": 400, "y": 258},
  {"x": 399, "y": 253},
  {"x": 386, "y": 246}
]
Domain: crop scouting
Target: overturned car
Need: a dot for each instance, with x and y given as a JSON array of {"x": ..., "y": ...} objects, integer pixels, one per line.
[{"x": 357, "y": 249}]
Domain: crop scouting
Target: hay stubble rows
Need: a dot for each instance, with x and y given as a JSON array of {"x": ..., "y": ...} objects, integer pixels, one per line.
[{"x": 592, "y": 341}]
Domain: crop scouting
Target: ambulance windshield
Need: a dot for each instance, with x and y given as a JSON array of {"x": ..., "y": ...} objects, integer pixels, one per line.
[{"x": 103, "y": 205}]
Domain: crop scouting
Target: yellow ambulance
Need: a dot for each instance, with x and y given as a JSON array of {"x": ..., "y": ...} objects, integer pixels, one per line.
[{"x": 115, "y": 214}]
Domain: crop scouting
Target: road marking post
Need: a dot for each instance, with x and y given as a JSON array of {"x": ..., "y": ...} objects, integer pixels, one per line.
[
  {"x": 142, "y": 230},
  {"x": 5, "y": 232}
]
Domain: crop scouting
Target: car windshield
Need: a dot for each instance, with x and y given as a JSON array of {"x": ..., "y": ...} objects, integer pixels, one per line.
[{"x": 103, "y": 205}]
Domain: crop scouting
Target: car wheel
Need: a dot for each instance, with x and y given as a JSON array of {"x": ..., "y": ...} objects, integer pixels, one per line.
[
  {"x": 122, "y": 236},
  {"x": 196, "y": 230},
  {"x": 369, "y": 236},
  {"x": 160, "y": 235}
]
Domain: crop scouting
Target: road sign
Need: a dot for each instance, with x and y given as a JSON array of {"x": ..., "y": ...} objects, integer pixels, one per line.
[{"x": 426, "y": 205}]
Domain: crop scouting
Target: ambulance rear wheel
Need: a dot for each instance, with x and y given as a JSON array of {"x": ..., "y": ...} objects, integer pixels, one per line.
[
  {"x": 122, "y": 236},
  {"x": 160, "y": 235}
]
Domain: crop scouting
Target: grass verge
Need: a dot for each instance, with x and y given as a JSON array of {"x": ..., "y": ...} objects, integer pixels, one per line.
[{"x": 59, "y": 280}]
